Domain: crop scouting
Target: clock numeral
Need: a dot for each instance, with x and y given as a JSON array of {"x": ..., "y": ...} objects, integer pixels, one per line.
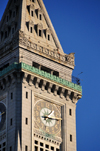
[
  {"x": 52, "y": 129},
  {"x": 37, "y": 113},
  {"x": 42, "y": 104},
  {"x": 38, "y": 107},
  {"x": 47, "y": 129},
  {"x": 47, "y": 105}
]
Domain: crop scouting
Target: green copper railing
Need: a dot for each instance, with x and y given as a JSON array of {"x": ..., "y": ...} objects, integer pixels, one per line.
[{"x": 41, "y": 73}]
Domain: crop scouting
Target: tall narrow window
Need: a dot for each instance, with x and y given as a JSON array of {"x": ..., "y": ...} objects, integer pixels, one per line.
[
  {"x": 11, "y": 122},
  {"x": 70, "y": 138},
  {"x": 10, "y": 148},
  {"x": 49, "y": 37},
  {"x": 70, "y": 112},
  {"x": 26, "y": 121},
  {"x": 40, "y": 17},
  {"x": 11, "y": 96},
  {"x": 40, "y": 33},
  {"x": 36, "y": 148},
  {"x": 26, "y": 95},
  {"x": 26, "y": 148},
  {"x": 13, "y": 30},
  {"x": 31, "y": 29},
  {"x": 32, "y": 13},
  {"x": 6, "y": 34}
]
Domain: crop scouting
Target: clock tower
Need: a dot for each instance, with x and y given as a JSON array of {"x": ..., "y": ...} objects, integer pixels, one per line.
[{"x": 37, "y": 96}]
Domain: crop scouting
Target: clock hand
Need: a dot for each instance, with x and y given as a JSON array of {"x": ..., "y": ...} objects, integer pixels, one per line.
[
  {"x": 2, "y": 113},
  {"x": 55, "y": 118},
  {"x": 49, "y": 115}
]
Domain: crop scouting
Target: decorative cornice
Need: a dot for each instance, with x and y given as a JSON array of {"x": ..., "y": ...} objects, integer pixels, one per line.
[{"x": 22, "y": 66}]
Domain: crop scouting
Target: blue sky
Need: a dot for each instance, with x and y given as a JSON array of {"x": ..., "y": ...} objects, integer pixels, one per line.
[{"x": 77, "y": 24}]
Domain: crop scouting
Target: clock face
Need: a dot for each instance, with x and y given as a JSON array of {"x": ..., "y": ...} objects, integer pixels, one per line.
[
  {"x": 47, "y": 117},
  {"x": 2, "y": 117}
]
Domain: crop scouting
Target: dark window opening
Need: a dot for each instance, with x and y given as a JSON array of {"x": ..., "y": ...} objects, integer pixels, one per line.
[
  {"x": 70, "y": 138},
  {"x": 56, "y": 73},
  {"x": 26, "y": 148},
  {"x": 52, "y": 148},
  {"x": 5, "y": 66},
  {"x": 32, "y": 13},
  {"x": 40, "y": 17},
  {"x": 36, "y": 65},
  {"x": 9, "y": 29},
  {"x": 46, "y": 146},
  {"x": 4, "y": 144},
  {"x": 40, "y": 33},
  {"x": 46, "y": 69},
  {"x": 71, "y": 96},
  {"x": 57, "y": 149},
  {"x": 27, "y": 25},
  {"x": 70, "y": 111},
  {"x": 26, "y": 121},
  {"x": 28, "y": 8},
  {"x": 10, "y": 13},
  {"x": 41, "y": 144},
  {"x": 36, "y": 148},
  {"x": 13, "y": 30},
  {"x": 0, "y": 145},
  {"x": 49, "y": 37},
  {"x": 35, "y": 27},
  {"x": 36, "y": 142},
  {"x": 44, "y": 32},
  {"x": 26, "y": 95},
  {"x": 13, "y": 14},
  {"x": 36, "y": 11},
  {"x": 7, "y": 18},
  {"x": 41, "y": 149},
  {"x": 1, "y": 35},
  {"x": 11, "y": 96},
  {"x": 4, "y": 149},
  {"x": 6, "y": 34},
  {"x": 10, "y": 148},
  {"x": 33, "y": 0},
  {"x": 31, "y": 29},
  {"x": 11, "y": 122}
]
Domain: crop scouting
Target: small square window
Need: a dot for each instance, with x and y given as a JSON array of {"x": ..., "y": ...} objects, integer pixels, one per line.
[
  {"x": 70, "y": 138},
  {"x": 57, "y": 149},
  {"x": 41, "y": 144},
  {"x": 46, "y": 146},
  {"x": 41, "y": 149},
  {"x": 11, "y": 122},
  {"x": 52, "y": 148},
  {"x": 26, "y": 95},
  {"x": 26, "y": 121},
  {"x": 36, "y": 142}
]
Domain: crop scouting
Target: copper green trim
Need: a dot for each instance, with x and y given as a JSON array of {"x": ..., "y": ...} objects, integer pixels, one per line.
[{"x": 41, "y": 73}]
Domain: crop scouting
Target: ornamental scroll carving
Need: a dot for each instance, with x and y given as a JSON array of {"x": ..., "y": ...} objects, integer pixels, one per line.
[{"x": 67, "y": 59}]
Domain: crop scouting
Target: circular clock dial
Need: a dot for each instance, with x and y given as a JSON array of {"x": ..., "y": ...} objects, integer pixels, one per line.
[
  {"x": 47, "y": 122},
  {"x": 46, "y": 115},
  {"x": 2, "y": 116}
]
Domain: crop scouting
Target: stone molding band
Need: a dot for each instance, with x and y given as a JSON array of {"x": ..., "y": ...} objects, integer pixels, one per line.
[{"x": 39, "y": 72}]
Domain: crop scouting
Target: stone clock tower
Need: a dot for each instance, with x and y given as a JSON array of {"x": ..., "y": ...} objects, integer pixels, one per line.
[{"x": 37, "y": 96}]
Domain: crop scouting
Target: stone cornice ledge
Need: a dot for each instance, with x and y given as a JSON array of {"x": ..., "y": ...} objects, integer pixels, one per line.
[{"x": 49, "y": 76}]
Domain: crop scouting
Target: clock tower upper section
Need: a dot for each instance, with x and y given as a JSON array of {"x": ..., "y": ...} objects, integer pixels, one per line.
[{"x": 37, "y": 96}]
